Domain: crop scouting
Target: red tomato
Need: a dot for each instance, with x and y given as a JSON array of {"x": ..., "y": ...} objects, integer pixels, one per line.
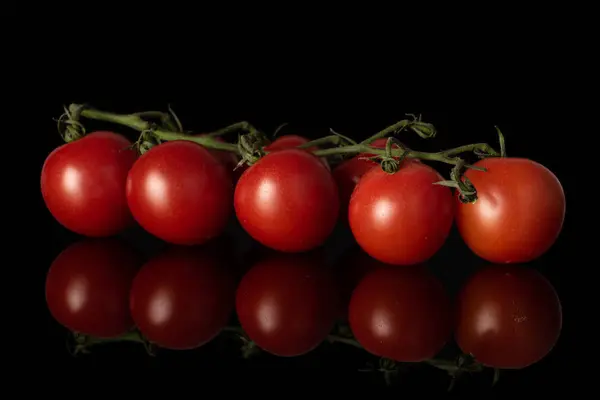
[
  {"x": 349, "y": 172},
  {"x": 287, "y": 201},
  {"x": 180, "y": 193},
  {"x": 401, "y": 218},
  {"x": 401, "y": 313},
  {"x": 519, "y": 212},
  {"x": 83, "y": 184},
  {"x": 287, "y": 303},
  {"x": 87, "y": 287},
  {"x": 227, "y": 158},
  {"x": 183, "y": 298},
  {"x": 508, "y": 317}
]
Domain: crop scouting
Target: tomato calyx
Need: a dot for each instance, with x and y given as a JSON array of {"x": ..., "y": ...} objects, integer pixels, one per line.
[
  {"x": 68, "y": 125},
  {"x": 249, "y": 349},
  {"x": 390, "y": 369},
  {"x": 424, "y": 129},
  {"x": 251, "y": 147},
  {"x": 466, "y": 189},
  {"x": 146, "y": 140},
  {"x": 389, "y": 163},
  {"x": 78, "y": 343}
]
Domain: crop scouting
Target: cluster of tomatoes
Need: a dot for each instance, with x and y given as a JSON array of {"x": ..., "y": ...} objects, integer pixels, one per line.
[
  {"x": 505, "y": 316},
  {"x": 290, "y": 201}
]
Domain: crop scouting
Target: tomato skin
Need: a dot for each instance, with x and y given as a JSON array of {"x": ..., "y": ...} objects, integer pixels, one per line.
[
  {"x": 87, "y": 287},
  {"x": 182, "y": 298},
  {"x": 287, "y": 201},
  {"x": 519, "y": 212},
  {"x": 508, "y": 316},
  {"x": 348, "y": 173},
  {"x": 401, "y": 313},
  {"x": 401, "y": 218},
  {"x": 83, "y": 184},
  {"x": 287, "y": 303},
  {"x": 180, "y": 193}
]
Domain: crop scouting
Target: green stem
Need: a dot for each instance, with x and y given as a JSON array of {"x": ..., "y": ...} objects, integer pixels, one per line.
[
  {"x": 443, "y": 364},
  {"x": 441, "y": 156},
  {"x": 133, "y": 336},
  {"x": 134, "y": 121},
  {"x": 236, "y": 127},
  {"x": 484, "y": 147},
  {"x": 421, "y": 128},
  {"x": 85, "y": 341},
  {"x": 340, "y": 339},
  {"x": 201, "y": 140},
  {"x": 331, "y": 139},
  {"x": 397, "y": 127},
  {"x": 165, "y": 118}
]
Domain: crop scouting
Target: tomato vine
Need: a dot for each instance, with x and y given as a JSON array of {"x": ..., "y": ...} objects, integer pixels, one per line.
[
  {"x": 79, "y": 344},
  {"x": 252, "y": 142},
  {"x": 286, "y": 196}
]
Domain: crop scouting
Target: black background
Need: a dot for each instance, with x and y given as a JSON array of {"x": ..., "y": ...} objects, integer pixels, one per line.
[{"x": 330, "y": 365}]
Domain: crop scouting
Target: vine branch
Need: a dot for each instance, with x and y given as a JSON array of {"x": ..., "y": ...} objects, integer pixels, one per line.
[
  {"x": 251, "y": 142},
  {"x": 253, "y": 145}
]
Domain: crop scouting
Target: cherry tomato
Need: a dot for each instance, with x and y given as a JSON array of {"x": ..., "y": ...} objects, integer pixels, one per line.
[
  {"x": 287, "y": 303},
  {"x": 519, "y": 212},
  {"x": 348, "y": 173},
  {"x": 508, "y": 316},
  {"x": 83, "y": 184},
  {"x": 401, "y": 313},
  {"x": 401, "y": 218},
  {"x": 183, "y": 298},
  {"x": 180, "y": 193},
  {"x": 228, "y": 159},
  {"x": 291, "y": 141},
  {"x": 87, "y": 287},
  {"x": 287, "y": 201}
]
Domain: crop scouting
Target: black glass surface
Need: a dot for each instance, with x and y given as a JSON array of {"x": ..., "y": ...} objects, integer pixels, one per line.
[{"x": 332, "y": 365}]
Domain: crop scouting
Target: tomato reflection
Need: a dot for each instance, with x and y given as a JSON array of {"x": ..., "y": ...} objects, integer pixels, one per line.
[
  {"x": 508, "y": 316},
  {"x": 287, "y": 303},
  {"x": 401, "y": 313},
  {"x": 87, "y": 287},
  {"x": 182, "y": 298}
]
